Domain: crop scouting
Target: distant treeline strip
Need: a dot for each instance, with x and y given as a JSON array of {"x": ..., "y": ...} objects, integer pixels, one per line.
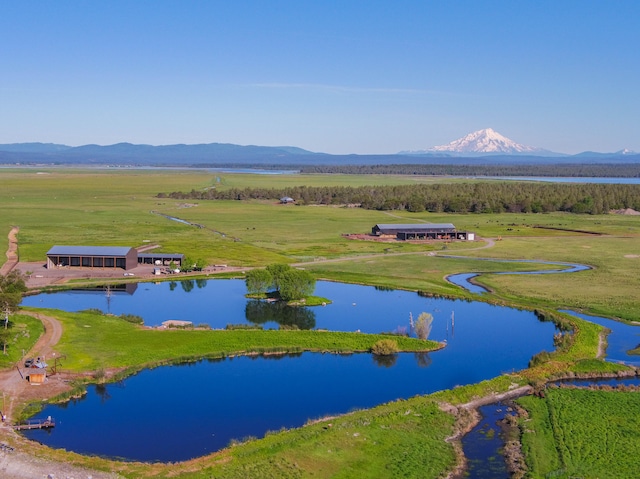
[
  {"x": 483, "y": 197},
  {"x": 577, "y": 170},
  {"x": 540, "y": 170}
]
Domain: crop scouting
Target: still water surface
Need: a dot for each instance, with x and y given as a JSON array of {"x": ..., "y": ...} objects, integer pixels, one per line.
[{"x": 207, "y": 404}]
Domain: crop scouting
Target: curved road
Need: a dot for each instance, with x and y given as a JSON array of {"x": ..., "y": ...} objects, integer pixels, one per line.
[{"x": 11, "y": 382}]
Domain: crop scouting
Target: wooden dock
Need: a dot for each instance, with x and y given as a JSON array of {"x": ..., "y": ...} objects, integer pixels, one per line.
[{"x": 36, "y": 424}]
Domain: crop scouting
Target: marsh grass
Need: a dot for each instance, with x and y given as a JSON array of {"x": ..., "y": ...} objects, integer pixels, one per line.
[{"x": 562, "y": 437}]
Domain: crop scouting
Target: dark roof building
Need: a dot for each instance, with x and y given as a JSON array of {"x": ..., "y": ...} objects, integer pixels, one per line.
[
  {"x": 92, "y": 257},
  {"x": 422, "y": 231},
  {"x": 393, "y": 229}
]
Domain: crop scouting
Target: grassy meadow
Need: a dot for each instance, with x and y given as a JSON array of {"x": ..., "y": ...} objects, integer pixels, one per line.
[
  {"x": 94, "y": 341},
  {"x": 24, "y": 332},
  {"x": 116, "y": 207},
  {"x": 562, "y": 437}
]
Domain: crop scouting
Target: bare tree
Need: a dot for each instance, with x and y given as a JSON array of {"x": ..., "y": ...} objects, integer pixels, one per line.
[{"x": 422, "y": 325}]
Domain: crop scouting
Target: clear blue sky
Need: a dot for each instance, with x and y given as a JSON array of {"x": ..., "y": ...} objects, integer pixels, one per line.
[{"x": 341, "y": 76}]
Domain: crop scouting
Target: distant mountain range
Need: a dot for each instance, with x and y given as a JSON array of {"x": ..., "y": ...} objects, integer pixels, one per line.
[{"x": 484, "y": 146}]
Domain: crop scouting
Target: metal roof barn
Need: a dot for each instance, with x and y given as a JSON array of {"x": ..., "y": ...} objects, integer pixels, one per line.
[
  {"x": 92, "y": 257},
  {"x": 394, "y": 229}
]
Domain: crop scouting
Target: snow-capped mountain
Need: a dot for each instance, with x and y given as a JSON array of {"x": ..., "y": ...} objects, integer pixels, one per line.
[
  {"x": 483, "y": 142},
  {"x": 626, "y": 151}
]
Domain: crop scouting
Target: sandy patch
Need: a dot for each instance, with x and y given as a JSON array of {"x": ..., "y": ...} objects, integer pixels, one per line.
[
  {"x": 625, "y": 211},
  {"x": 632, "y": 255}
]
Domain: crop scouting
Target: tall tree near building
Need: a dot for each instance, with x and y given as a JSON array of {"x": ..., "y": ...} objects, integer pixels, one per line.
[{"x": 12, "y": 287}]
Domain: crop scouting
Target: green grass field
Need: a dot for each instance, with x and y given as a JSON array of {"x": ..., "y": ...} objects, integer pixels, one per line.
[
  {"x": 93, "y": 341},
  {"x": 565, "y": 437},
  {"x": 24, "y": 332},
  {"x": 115, "y": 207}
]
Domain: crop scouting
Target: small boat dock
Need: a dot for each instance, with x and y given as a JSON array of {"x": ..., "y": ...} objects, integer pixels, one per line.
[{"x": 36, "y": 424}]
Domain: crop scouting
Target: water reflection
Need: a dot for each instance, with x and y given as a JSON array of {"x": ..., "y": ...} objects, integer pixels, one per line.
[
  {"x": 621, "y": 339},
  {"x": 187, "y": 285},
  {"x": 262, "y": 312},
  {"x": 215, "y": 400},
  {"x": 385, "y": 360},
  {"x": 422, "y": 359}
]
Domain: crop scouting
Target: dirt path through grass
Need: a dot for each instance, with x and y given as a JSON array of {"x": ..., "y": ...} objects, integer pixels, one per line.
[
  {"x": 489, "y": 243},
  {"x": 13, "y": 381},
  {"x": 12, "y": 252},
  {"x": 19, "y": 463}
]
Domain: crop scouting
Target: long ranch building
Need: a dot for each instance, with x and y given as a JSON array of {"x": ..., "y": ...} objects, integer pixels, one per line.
[
  {"x": 422, "y": 231},
  {"x": 107, "y": 257},
  {"x": 93, "y": 257}
]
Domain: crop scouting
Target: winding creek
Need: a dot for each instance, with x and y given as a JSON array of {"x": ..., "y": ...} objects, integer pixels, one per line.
[{"x": 465, "y": 280}]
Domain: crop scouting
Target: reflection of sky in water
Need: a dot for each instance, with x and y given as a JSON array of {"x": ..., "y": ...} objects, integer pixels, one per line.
[
  {"x": 217, "y": 401},
  {"x": 622, "y": 338}
]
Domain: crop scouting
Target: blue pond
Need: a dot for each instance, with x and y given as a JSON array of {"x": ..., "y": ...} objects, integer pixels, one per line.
[{"x": 215, "y": 402}]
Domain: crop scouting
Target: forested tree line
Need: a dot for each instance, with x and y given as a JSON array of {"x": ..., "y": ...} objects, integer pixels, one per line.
[
  {"x": 485, "y": 197},
  {"x": 617, "y": 170},
  {"x": 577, "y": 170}
]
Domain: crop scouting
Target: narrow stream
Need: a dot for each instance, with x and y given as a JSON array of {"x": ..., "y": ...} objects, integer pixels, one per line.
[
  {"x": 464, "y": 280},
  {"x": 484, "y": 443}
]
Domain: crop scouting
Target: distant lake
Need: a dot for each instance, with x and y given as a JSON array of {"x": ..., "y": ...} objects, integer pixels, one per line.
[
  {"x": 565, "y": 179},
  {"x": 216, "y": 401}
]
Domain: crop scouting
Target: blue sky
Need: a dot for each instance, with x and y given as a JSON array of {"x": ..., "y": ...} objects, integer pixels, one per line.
[{"x": 334, "y": 76}]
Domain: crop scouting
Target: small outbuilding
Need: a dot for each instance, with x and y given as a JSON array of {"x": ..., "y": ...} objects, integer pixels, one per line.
[
  {"x": 160, "y": 259},
  {"x": 37, "y": 378}
]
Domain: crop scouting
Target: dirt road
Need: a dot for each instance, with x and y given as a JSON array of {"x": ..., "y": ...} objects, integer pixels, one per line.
[
  {"x": 21, "y": 463},
  {"x": 12, "y": 381},
  {"x": 12, "y": 252}
]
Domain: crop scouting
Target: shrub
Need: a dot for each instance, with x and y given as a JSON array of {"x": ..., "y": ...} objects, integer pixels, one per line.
[
  {"x": 132, "y": 318},
  {"x": 243, "y": 326},
  {"x": 540, "y": 358},
  {"x": 289, "y": 327},
  {"x": 385, "y": 347}
]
